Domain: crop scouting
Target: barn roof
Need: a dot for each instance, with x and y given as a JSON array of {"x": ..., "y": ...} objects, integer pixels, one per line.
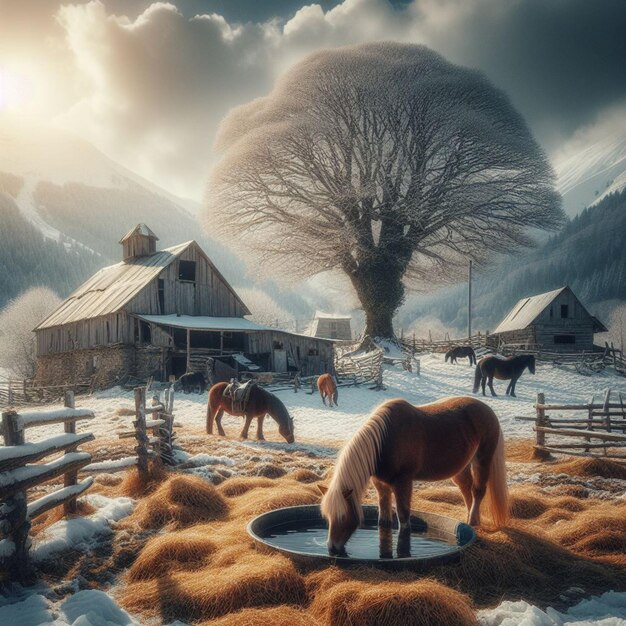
[
  {"x": 112, "y": 287},
  {"x": 527, "y": 310},
  {"x": 140, "y": 229}
]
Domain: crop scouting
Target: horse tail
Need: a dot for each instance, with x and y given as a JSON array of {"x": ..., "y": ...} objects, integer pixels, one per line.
[
  {"x": 210, "y": 415},
  {"x": 477, "y": 378},
  {"x": 336, "y": 395},
  {"x": 497, "y": 489}
]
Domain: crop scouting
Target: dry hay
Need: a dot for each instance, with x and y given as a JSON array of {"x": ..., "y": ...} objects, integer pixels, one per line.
[
  {"x": 239, "y": 485},
  {"x": 285, "y": 493},
  {"x": 270, "y": 470},
  {"x": 135, "y": 485},
  {"x": 182, "y": 550},
  {"x": 589, "y": 468},
  {"x": 447, "y": 495},
  {"x": 421, "y": 603},
  {"x": 108, "y": 480},
  {"x": 254, "y": 580},
  {"x": 278, "y": 616},
  {"x": 305, "y": 476},
  {"x": 180, "y": 501},
  {"x": 125, "y": 411},
  {"x": 519, "y": 450}
]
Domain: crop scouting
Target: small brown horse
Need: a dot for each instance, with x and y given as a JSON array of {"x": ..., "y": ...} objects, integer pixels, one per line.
[
  {"x": 461, "y": 351},
  {"x": 511, "y": 368},
  {"x": 328, "y": 389},
  {"x": 260, "y": 403},
  {"x": 458, "y": 438}
]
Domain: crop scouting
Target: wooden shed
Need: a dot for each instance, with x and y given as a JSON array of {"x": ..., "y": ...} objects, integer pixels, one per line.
[
  {"x": 554, "y": 321},
  {"x": 161, "y": 313},
  {"x": 331, "y": 326}
]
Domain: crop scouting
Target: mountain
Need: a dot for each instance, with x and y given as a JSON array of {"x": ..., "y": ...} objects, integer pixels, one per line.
[
  {"x": 588, "y": 254},
  {"x": 81, "y": 201},
  {"x": 593, "y": 173}
]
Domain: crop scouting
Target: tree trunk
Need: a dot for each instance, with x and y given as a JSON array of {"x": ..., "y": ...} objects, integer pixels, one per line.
[{"x": 381, "y": 292}]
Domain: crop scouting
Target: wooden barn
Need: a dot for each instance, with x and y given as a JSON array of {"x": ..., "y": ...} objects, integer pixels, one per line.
[
  {"x": 161, "y": 313},
  {"x": 554, "y": 321},
  {"x": 331, "y": 326}
]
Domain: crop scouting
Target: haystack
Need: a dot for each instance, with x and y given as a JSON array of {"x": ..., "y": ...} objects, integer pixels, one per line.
[
  {"x": 239, "y": 485},
  {"x": 279, "y": 616},
  {"x": 587, "y": 467},
  {"x": 182, "y": 500}
]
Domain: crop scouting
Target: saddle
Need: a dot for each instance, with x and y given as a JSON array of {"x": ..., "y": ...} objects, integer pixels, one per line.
[{"x": 239, "y": 394}]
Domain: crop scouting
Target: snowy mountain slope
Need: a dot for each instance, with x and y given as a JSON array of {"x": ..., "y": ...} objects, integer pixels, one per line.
[{"x": 592, "y": 173}]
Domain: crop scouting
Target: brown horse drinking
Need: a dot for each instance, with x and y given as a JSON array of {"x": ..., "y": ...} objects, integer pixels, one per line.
[
  {"x": 461, "y": 351},
  {"x": 328, "y": 389},
  {"x": 260, "y": 403},
  {"x": 458, "y": 438},
  {"x": 511, "y": 368}
]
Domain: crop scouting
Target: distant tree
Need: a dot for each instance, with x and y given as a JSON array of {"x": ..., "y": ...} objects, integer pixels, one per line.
[
  {"x": 617, "y": 326},
  {"x": 17, "y": 321},
  {"x": 385, "y": 162}
]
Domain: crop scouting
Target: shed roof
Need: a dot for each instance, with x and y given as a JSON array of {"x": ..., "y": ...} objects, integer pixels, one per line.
[
  {"x": 208, "y": 323},
  {"x": 140, "y": 229},
  {"x": 331, "y": 316}
]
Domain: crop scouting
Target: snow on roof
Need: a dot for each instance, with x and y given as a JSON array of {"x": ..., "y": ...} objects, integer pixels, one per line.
[
  {"x": 204, "y": 322},
  {"x": 527, "y": 310},
  {"x": 332, "y": 316},
  {"x": 140, "y": 229}
]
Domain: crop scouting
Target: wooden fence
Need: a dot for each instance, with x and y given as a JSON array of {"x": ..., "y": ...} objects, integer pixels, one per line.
[
  {"x": 20, "y": 472},
  {"x": 416, "y": 346},
  {"x": 592, "y": 429},
  {"x": 25, "y": 392},
  {"x": 153, "y": 430}
]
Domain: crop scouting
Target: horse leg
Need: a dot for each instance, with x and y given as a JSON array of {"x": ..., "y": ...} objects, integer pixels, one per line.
[
  {"x": 483, "y": 381},
  {"x": 218, "y": 422},
  {"x": 385, "y": 513},
  {"x": 402, "y": 491},
  {"x": 259, "y": 428},
  {"x": 246, "y": 427},
  {"x": 493, "y": 393},
  {"x": 513, "y": 383},
  {"x": 323, "y": 397},
  {"x": 480, "y": 474},
  {"x": 508, "y": 389},
  {"x": 210, "y": 417},
  {"x": 463, "y": 480}
]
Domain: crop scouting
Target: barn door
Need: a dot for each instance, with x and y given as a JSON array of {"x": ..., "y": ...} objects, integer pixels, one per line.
[{"x": 280, "y": 361}]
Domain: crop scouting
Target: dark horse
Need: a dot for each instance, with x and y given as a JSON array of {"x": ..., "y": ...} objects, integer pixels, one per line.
[
  {"x": 511, "y": 368},
  {"x": 461, "y": 351},
  {"x": 192, "y": 382},
  {"x": 260, "y": 403}
]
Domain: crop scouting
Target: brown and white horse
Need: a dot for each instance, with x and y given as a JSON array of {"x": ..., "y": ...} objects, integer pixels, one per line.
[
  {"x": 457, "y": 438},
  {"x": 328, "y": 389},
  {"x": 260, "y": 403}
]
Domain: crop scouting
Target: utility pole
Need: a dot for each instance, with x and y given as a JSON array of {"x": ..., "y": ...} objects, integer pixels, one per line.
[{"x": 469, "y": 300}]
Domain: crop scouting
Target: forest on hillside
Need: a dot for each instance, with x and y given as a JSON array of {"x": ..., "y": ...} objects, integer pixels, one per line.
[
  {"x": 28, "y": 259},
  {"x": 588, "y": 254}
]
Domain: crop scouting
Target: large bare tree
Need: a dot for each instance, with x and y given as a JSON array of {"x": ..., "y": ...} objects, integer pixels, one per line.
[{"x": 383, "y": 161}]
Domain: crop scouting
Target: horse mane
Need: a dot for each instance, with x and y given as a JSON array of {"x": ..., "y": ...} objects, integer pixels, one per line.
[
  {"x": 356, "y": 463},
  {"x": 278, "y": 407}
]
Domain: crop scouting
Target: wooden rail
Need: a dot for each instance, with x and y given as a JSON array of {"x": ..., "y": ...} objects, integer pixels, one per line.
[
  {"x": 25, "y": 392},
  {"x": 20, "y": 472},
  {"x": 602, "y": 426}
]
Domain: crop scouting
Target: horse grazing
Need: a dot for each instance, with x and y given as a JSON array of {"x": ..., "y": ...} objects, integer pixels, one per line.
[
  {"x": 458, "y": 438},
  {"x": 260, "y": 402},
  {"x": 193, "y": 381},
  {"x": 328, "y": 389},
  {"x": 511, "y": 368},
  {"x": 461, "y": 351}
]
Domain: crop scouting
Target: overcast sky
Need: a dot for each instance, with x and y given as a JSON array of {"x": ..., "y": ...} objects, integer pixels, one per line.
[{"x": 148, "y": 83}]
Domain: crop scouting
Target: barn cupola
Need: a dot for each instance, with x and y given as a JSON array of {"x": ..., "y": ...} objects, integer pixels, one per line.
[{"x": 138, "y": 241}]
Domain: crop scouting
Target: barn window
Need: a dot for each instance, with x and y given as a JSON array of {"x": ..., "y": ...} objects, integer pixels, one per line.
[
  {"x": 313, "y": 352},
  {"x": 564, "y": 311},
  {"x": 187, "y": 271},
  {"x": 564, "y": 338},
  {"x": 278, "y": 345},
  {"x": 161, "y": 296},
  {"x": 146, "y": 334}
]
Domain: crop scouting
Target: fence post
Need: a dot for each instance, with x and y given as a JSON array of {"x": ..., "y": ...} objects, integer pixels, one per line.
[
  {"x": 15, "y": 511},
  {"x": 70, "y": 478},
  {"x": 140, "y": 431},
  {"x": 541, "y": 419}
]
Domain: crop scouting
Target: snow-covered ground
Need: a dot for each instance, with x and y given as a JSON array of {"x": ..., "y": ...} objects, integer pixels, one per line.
[
  {"x": 314, "y": 422},
  {"x": 316, "y": 426}
]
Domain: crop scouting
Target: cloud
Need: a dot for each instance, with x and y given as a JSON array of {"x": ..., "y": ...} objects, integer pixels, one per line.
[{"x": 154, "y": 86}]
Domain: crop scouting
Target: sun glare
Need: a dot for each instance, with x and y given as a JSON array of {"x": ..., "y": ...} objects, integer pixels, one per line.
[{"x": 16, "y": 90}]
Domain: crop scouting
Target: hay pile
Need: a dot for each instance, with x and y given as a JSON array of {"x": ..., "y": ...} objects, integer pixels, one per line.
[
  {"x": 180, "y": 501},
  {"x": 135, "y": 486},
  {"x": 305, "y": 476},
  {"x": 206, "y": 567},
  {"x": 589, "y": 468}
]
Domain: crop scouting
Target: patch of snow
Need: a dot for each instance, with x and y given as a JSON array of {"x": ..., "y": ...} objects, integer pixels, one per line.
[
  {"x": 206, "y": 459},
  {"x": 110, "y": 465},
  {"x": 31, "y": 471},
  {"x": 609, "y": 609},
  {"x": 82, "y": 532}
]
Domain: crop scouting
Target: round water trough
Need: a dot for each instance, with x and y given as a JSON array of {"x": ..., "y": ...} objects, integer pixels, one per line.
[{"x": 300, "y": 532}]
